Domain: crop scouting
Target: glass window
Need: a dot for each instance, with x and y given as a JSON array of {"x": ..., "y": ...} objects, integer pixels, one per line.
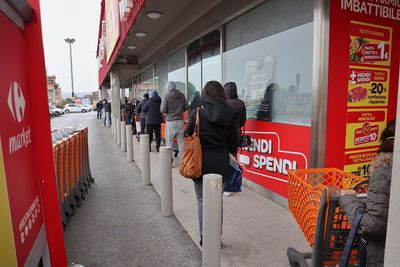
[
  {"x": 173, "y": 69},
  {"x": 204, "y": 62},
  {"x": 268, "y": 53},
  {"x": 145, "y": 82}
]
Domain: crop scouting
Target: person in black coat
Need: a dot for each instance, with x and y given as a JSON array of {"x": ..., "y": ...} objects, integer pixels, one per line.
[
  {"x": 218, "y": 138},
  {"x": 99, "y": 107},
  {"x": 139, "y": 110},
  {"x": 196, "y": 101},
  {"x": 153, "y": 118}
]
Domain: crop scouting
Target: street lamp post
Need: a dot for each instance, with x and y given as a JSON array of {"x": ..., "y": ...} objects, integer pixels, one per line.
[{"x": 70, "y": 41}]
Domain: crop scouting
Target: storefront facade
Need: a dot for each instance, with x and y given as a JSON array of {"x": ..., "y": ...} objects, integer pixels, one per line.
[{"x": 293, "y": 68}]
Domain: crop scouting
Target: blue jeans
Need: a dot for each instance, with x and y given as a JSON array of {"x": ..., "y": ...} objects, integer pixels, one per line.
[{"x": 107, "y": 116}]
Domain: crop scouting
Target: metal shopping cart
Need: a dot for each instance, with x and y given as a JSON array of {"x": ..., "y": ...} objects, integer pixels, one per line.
[{"x": 323, "y": 223}]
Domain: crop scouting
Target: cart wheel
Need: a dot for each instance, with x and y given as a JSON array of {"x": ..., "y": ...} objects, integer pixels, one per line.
[{"x": 294, "y": 264}]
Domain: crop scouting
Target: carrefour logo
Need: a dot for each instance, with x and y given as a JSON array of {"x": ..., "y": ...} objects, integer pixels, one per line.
[{"x": 16, "y": 102}]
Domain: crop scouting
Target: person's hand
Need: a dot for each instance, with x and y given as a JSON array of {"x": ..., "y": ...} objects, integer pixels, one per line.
[{"x": 347, "y": 192}]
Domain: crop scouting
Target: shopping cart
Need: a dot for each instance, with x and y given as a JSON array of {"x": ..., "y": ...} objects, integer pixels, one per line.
[{"x": 314, "y": 205}]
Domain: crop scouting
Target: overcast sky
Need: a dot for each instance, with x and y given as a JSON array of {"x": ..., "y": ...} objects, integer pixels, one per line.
[{"x": 78, "y": 19}]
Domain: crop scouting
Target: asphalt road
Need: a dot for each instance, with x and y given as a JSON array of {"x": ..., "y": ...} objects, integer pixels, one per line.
[{"x": 119, "y": 223}]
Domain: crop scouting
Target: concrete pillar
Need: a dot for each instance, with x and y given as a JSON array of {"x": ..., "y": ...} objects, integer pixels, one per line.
[
  {"x": 145, "y": 151},
  {"x": 131, "y": 96},
  {"x": 166, "y": 181},
  {"x": 129, "y": 143},
  {"x": 392, "y": 255},
  {"x": 115, "y": 91},
  {"x": 123, "y": 135},
  {"x": 118, "y": 125},
  {"x": 212, "y": 208},
  {"x": 115, "y": 127},
  {"x": 103, "y": 93}
]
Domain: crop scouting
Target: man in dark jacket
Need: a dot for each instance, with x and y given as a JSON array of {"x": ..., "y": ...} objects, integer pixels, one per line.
[
  {"x": 174, "y": 105},
  {"x": 139, "y": 110},
  {"x": 153, "y": 118},
  {"x": 107, "y": 111},
  {"x": 196, "y": 101},
  {"x": 99, "y": 107}
]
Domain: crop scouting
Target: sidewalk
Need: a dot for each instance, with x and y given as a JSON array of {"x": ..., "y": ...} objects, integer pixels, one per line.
[{"x": 256, "y": 231}]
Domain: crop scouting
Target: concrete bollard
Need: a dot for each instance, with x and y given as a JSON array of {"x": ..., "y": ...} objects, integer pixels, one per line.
[
  {"x": 118, "y": 124},
  {"x": 144, "y": 147},
  {"x": 166, "y": 181},
  {"x": 114, "y": 126},
  {"x": 212, "y": 208},
  {"x": 129, "y": 143},
  {"x": 123, "y": 135}
]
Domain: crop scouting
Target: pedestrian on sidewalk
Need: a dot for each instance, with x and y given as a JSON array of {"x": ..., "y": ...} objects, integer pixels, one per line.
[
  {"x": 196, "y": 101},
  {"x": 238, "y": 105},
  {"x": 99, "y": 107},
  {"x": 153, "y": 119},
  {"x": 218, "y": 138},
  {"x": 373, "y": 224},
  {"x": 174, "y": 105},
  {"x": 107, "y": 111},
  {"x": 139, "y": 111}
]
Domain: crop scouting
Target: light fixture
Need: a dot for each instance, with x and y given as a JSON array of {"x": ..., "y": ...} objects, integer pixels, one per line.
[
  {"x": 154, "y": 14},
  {"x": 131, "y": 47},
  {"x": 140, "y": 34}
]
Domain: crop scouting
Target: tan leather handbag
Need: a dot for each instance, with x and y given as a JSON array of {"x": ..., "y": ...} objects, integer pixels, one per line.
[{"x": 191, "y": 162}]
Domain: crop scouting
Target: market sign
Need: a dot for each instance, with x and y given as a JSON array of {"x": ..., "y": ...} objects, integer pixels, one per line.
[{"x": 274, "y": 151}]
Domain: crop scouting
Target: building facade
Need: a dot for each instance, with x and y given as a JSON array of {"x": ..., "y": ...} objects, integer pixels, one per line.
[
  {"x": 54, "y": 93},
  {"x": 308, "y": 71}
]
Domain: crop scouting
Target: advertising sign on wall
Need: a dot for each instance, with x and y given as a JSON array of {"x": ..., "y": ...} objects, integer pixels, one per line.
[
  {"x": 112, "y": 26},
  {"x": 18, "y": 144},
  {"x": 275, "y": 150}
]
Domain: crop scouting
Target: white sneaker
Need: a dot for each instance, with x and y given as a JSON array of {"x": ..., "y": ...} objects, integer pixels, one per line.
[{"x": 228, "y": 194}]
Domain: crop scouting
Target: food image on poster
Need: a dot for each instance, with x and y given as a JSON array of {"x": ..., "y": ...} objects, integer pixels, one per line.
[
  {"x": 368, "y": 87},
  {"x": 364, "y": 127},
  {"x": 370, "y": 44},
  {"x": 359, "y": 162}
]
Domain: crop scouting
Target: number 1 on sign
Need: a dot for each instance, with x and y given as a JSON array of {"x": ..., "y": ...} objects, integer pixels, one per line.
[{"x": 381, "y": 46}]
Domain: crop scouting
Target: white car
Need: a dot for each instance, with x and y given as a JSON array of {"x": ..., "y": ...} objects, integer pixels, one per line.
[
  {"x": 57, "y": 111},
  {"x": 69, "y": 108}
]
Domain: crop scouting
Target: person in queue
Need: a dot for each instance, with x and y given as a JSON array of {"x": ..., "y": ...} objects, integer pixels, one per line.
[
  {"x": 107, "y": 113},
  {"x": 218, "y": 138},
  {"x": 153, "y": 119},
  {"x": 373, "y": 224},
  {"x": 238, "y": 105},
  {"x": 174, "y": 105},
  {"x": 99, "y": 107},
  {"x": 196, "y": 101},
  {"x": 141, "y": 113}
]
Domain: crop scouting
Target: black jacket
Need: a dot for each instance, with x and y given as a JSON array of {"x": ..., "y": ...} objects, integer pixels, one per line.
[
  {"x": 99, "y": 106},
  {"x": 152, "y": 110},
  {"x": 235, "y": 103},
  {"x": 196, "y": 102},
  {"x": 107, "y": 107},
  {"x": 139, "y": 108},
  {"x": 218, "y": 135}
]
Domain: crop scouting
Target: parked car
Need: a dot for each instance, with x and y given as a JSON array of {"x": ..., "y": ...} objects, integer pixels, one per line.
[
  {"x": 69, "y": 108},
  {"x": 51, "y": 112},
  {"x": 57, "y": 111},
  {"x": 88, "y": 107}
]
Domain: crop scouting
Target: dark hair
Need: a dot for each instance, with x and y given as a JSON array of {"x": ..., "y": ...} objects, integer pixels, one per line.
[
  {"x": 231, "y": 90},
  {"x": 387, "y": 137},
  {"x": 146, "y": 95},
  {"x": 214, "y": 89}
]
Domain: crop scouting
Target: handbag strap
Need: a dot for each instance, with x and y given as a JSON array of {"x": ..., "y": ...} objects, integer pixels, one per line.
[
  {"x": 197, "y": 126},
  {"x": 350, "y": 239}
]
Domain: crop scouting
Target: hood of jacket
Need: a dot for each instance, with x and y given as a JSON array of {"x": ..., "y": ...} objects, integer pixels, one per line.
[
  {"x": 381, "y": 160},
  {"x": 176, "y": 94},
  {"x": 217, "y": 112},
  {"x": 231, "y": 90}
]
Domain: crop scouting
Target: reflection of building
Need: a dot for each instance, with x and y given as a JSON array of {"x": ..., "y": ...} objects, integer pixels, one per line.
[
  {"x": 95, "y": 96},
  {"x": 53, "y": 91}
]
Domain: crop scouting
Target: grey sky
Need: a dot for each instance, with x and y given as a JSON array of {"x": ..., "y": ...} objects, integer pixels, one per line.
[{"x": 78, "y": 19}]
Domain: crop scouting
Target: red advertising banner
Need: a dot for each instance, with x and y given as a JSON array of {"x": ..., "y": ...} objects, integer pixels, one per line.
[
  {"x": 17, "y": 141},
  {"x": 275, "y": 150}
]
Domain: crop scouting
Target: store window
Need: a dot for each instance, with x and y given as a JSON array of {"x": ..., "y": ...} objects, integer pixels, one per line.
[
  {"x": 173, "y": 69},
  {"x": 204, "y": 62},
  {"x": 268, "y": 53},
  {"x": 145, "y": 82}
]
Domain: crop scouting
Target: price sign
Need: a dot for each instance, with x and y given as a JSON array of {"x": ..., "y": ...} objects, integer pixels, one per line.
[{"x": 359, "y": 163}]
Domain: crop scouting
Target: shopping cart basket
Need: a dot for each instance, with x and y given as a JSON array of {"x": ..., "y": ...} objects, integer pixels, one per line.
[{"x": 323, "y": 223}]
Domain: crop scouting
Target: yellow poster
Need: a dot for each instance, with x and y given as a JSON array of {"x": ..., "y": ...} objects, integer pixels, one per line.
[
  {"x": 370, "y": 44},
  {"x": 112, "y": 26},
  {"x": 8, "y": 255},
  {"x": 359, "y": 162},
  {"x": 364, "y": 127},
  {"x": 368, "y": 87}
]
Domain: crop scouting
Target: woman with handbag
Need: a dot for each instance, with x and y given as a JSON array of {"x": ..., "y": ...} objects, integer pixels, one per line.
[
  {"x": 373, "y": 224},
  {"x": 218, "y": 138}
]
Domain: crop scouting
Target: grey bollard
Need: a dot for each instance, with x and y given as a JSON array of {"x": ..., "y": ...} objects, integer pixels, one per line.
[
  {"x": 123, "y": 135},
  {"x": 212, "y": 208},
  {"x": 118, "y": 125},
  {"x": 114, "y": 126},
  {"x": 166, "y": 181},
  {"x": 145, "y": 150},
  {"x": 129, "y": 143}
]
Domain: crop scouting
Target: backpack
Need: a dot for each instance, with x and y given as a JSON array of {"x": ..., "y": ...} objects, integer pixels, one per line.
[{"x": 191, "y": 162}]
